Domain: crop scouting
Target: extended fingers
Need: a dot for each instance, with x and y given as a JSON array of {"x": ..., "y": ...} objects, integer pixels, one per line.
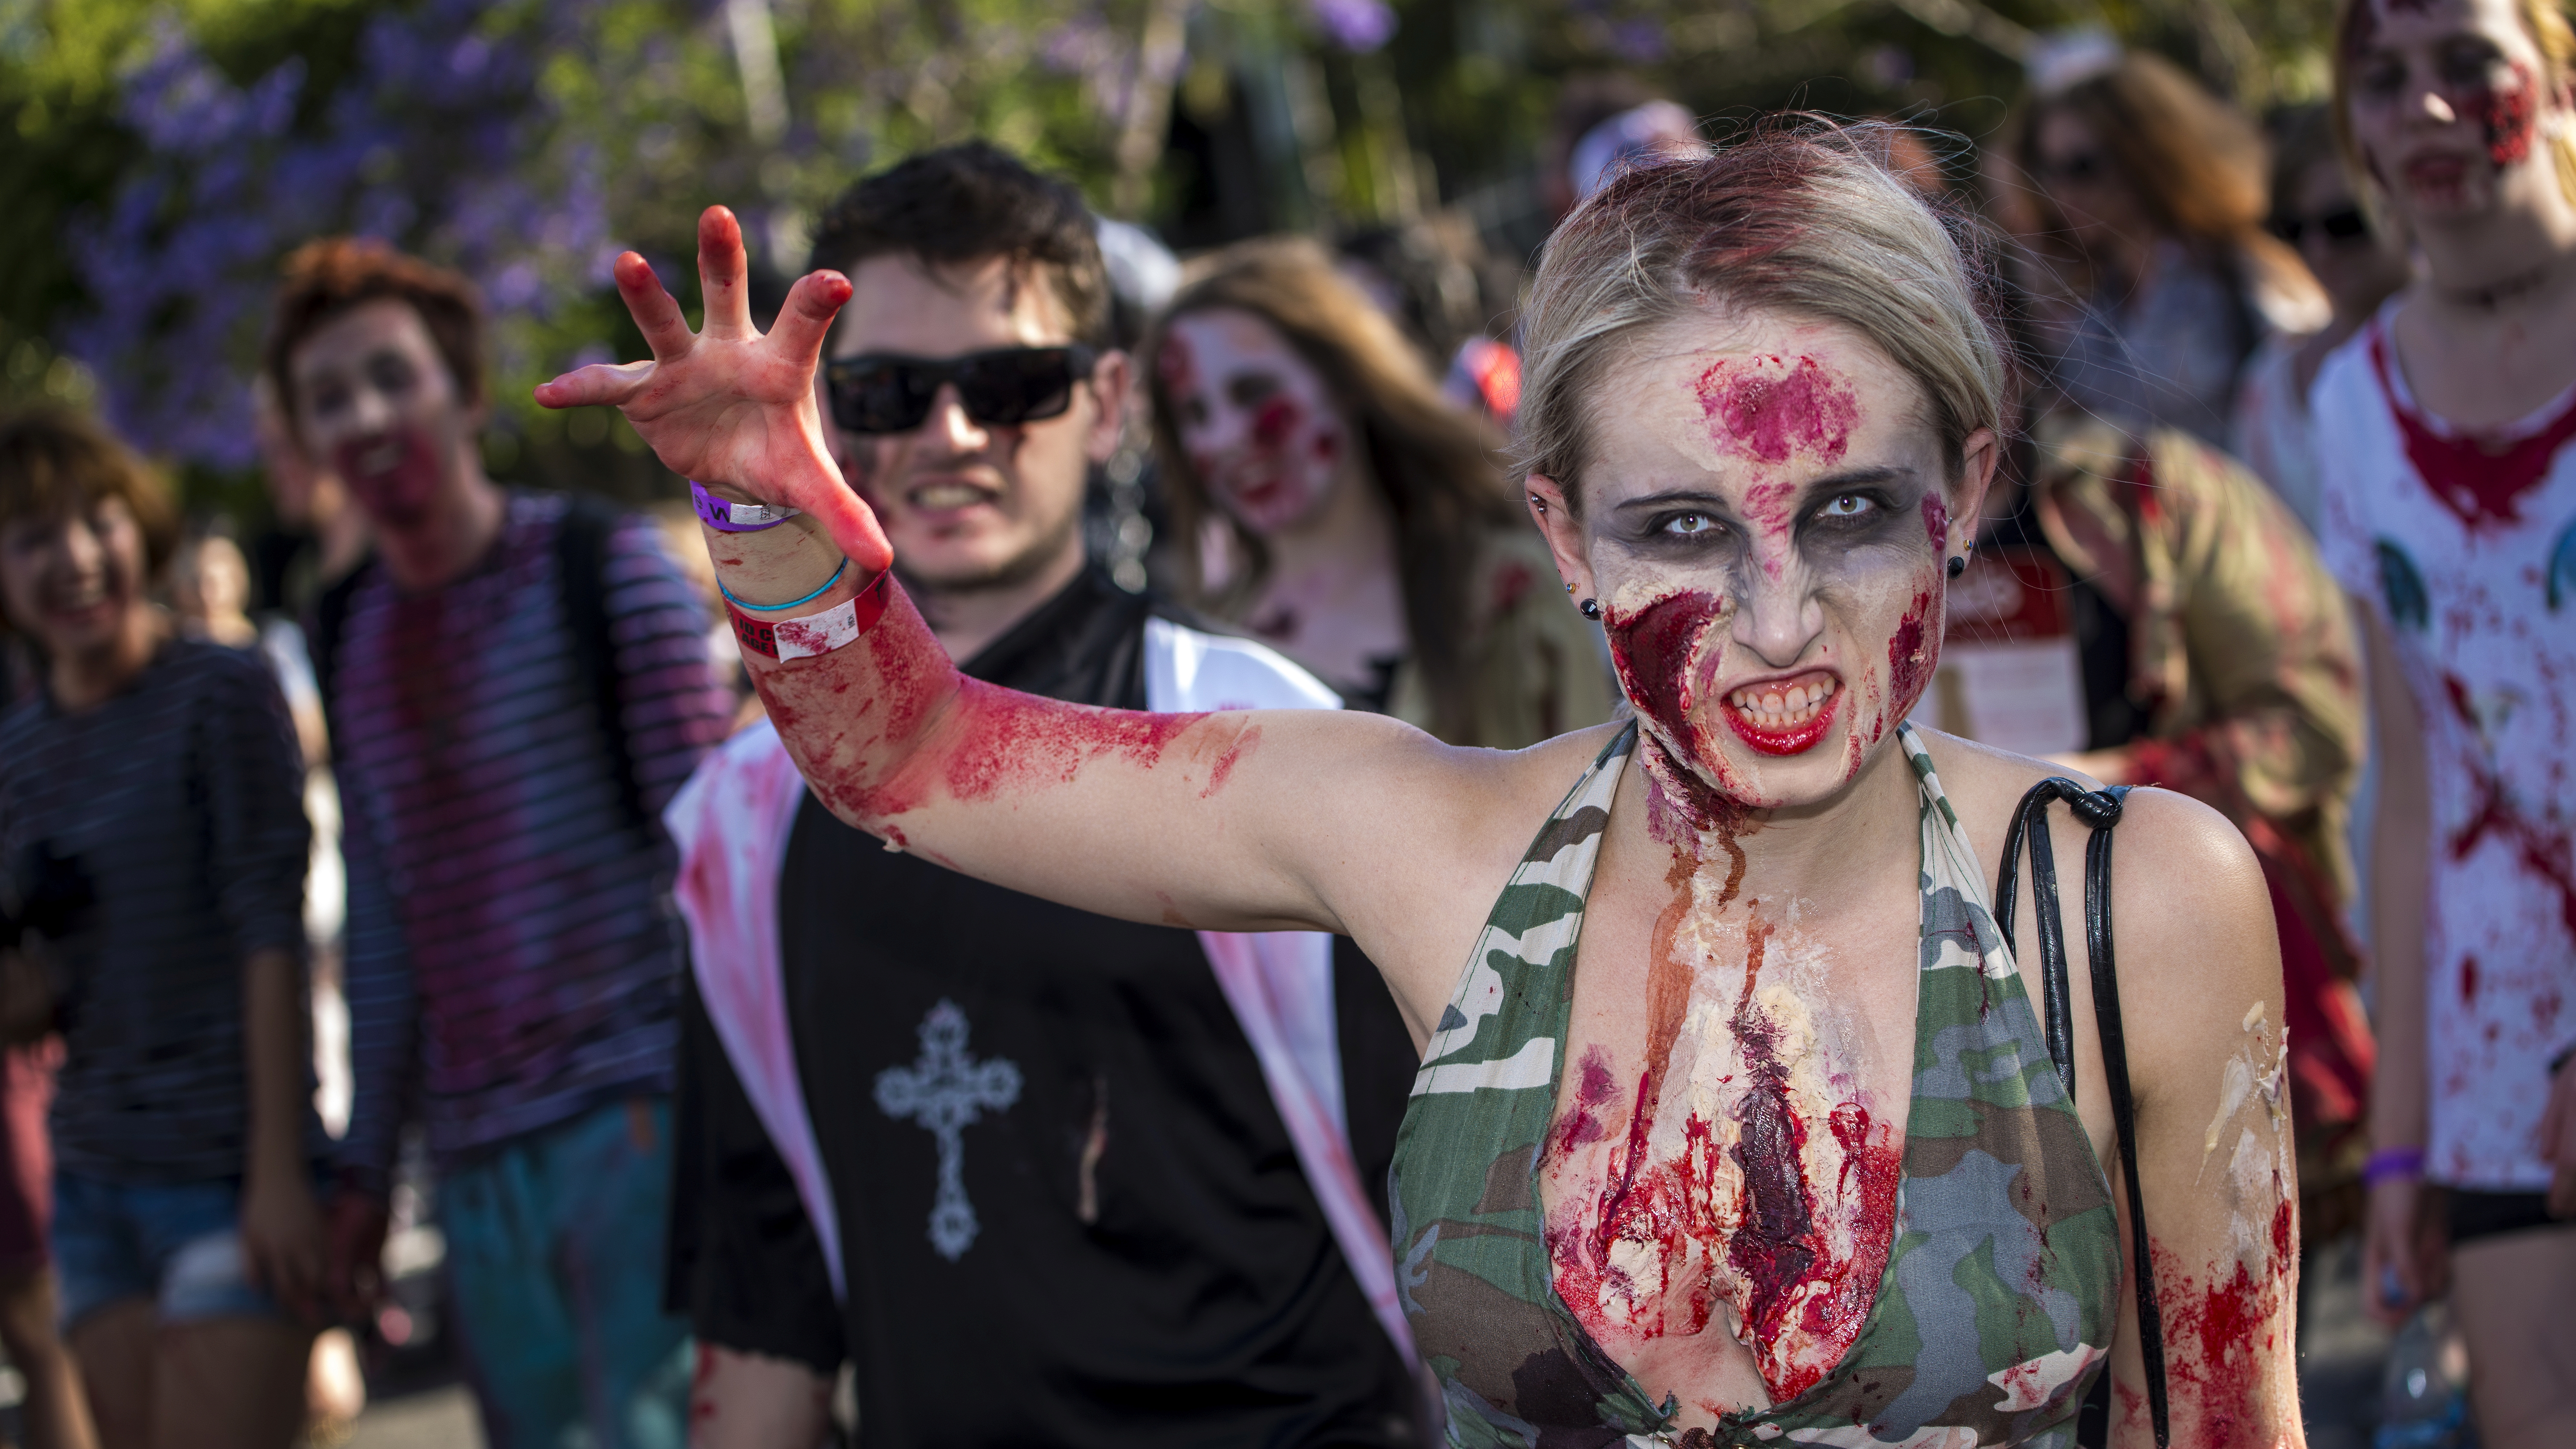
[
  {"x": 602, "y": 384},
  {"x": 721, "y": 269},
  {"x": 655, "y": 313},
  {"x": 806, "y": 320}
]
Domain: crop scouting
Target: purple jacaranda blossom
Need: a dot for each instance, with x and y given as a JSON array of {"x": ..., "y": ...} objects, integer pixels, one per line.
[{"x": 1354, "y": 25}]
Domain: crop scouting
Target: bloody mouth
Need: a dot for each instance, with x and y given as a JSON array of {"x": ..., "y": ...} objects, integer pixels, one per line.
[{"x": 1790, "y": 718}]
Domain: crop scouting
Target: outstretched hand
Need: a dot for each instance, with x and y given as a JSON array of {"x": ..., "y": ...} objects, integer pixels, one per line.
[{"x": 727, "y": 405}]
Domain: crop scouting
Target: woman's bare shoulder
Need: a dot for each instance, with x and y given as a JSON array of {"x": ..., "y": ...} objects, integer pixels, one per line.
[
  {"x": 2167, "y": 841},
  {"x": 2187, "y": 893}
]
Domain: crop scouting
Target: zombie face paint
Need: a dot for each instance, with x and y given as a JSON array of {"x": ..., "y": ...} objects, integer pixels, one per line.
[
  {"x": 375, "y": 400},
  {"x": 2448, "y": 97},
  {"x": 1262, "y": 433},
  {"x": 1766, "y": 515}
]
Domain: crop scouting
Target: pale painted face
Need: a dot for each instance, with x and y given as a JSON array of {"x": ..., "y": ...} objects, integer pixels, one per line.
[
  {"x": 377, "y": 405},
  {"x": 1260, "y": 428},
  {"x": 2452, "y": 107},
  {"x": 1765, "y": 521}
]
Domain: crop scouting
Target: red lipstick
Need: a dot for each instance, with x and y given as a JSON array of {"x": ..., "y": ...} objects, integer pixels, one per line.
[{"x": 1784, "y": 717}]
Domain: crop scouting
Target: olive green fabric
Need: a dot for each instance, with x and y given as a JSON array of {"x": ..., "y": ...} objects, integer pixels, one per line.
[{"x": 1995, "y": 1310}]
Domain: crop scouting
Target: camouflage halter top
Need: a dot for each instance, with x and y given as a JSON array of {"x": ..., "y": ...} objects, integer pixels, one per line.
[{"x": 1995, "y": 1308}]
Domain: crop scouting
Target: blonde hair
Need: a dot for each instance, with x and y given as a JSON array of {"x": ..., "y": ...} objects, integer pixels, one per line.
[
  {"x": 2551, "y": 32},
  {"x": 1802, "y": 216},
  {"x": 1431, "y": 460}
]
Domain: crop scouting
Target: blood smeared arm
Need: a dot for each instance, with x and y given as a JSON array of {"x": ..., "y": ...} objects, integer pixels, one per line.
[
  {"x": 1231, "y": 821},
  {"x": 2201, "y": 1005}
]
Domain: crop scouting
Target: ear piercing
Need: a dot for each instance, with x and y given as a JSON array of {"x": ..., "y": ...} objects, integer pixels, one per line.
[
  {"x": 1591, "y": 608},
  {"x": 1958, "y": 564}
]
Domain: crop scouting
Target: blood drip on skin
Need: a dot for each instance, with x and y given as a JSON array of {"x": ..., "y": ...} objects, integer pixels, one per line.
[
  {"x": 1177, "y": 366},
  {"x": 1767, "y": 410},
  {"x": 1653, "y": 650},
  {"x": 2508, "y": 118},
  {"x": 1593, "y": 1088},
  {"x": 2468, "y": 980},
  {"x": 702, "y": 1403},
  {"x": 924, "y": 724},
  {"x": 2482, "y": 480},
  {"x": 1799, "y": 1300},
  {"x": 1911, "y": 657},
  {"x": 1936, "y": 520},
  {"x": 2222, "y": 1334}
]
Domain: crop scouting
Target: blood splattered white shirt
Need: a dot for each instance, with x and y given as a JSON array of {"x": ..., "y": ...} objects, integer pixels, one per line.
[{"x": 2465, "y": 546}]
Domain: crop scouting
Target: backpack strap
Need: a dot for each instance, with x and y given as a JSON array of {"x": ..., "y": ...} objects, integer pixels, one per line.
[
  {"x": 2101, "y": 811},
  {"x": 330, "y": 622},
  {"x": 581, "y": 564}
]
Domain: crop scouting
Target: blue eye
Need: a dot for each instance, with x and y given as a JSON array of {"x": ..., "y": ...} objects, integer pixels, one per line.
[
  {"x": 1688, "y": 525},
  {"x": 1846, "y": 505}
]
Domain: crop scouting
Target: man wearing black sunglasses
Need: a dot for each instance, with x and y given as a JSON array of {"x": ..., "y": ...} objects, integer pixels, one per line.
[{"x": 1019, "y": 1167}]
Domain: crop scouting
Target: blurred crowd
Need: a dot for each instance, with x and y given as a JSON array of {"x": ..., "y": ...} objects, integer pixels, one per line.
[{"x": 418, "y": 871}]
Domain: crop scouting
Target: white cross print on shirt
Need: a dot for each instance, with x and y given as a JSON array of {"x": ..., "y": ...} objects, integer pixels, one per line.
[{"x": 946, "y": 1091}]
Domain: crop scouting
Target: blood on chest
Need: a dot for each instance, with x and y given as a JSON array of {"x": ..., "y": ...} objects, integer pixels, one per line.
[{"x": 1737, "y": 1178}]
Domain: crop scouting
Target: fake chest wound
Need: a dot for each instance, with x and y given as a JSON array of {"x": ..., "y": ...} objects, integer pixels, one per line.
[{"x": 1750, "y": 1186}]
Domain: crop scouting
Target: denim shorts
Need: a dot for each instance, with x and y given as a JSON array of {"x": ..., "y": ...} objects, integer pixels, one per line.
[{"x": 178, "y": 1246}]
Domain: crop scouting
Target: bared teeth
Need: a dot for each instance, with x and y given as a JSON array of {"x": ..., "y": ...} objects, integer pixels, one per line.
[{"x": 1780, "y": 709}]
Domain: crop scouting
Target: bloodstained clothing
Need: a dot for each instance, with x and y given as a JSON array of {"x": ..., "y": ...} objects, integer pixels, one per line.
[
  {"x": 1982, "y": 1303},
  {"x": 512, "y": 953},
  {"x": 2464, "y": 546},
  {"x": 1062, "y": 1201}
]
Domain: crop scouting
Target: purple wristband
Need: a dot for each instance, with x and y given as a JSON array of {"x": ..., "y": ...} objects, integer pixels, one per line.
[
  {"x": 726, "y": 517},
  {"x": 2389, "y": 1163}
]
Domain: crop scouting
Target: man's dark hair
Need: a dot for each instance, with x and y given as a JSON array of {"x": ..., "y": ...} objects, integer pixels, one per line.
[
  {"x": 969, "y": 203},
  {"x": 330, "y": 276}
]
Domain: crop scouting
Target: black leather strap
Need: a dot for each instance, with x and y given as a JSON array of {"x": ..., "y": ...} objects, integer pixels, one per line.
[{"x": 2100, "y": 810}]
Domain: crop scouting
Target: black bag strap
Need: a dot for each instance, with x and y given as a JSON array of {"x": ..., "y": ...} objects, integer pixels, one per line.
[
  {"x": 581, "y": 566},
  {"x": 581, "y": 557},
  {"x": 2101, "y": 811},
  {"x": 330, "y": 622}
]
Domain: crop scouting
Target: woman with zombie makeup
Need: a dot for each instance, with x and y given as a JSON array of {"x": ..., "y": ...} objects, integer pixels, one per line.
[
  {"x": 2140, "y": 200},
  {"x": 1738, "y": 1123},
  {"x": 2442, "y": 433},
  {"x": 2317, "y": 209},
  {"x": 1359, "y": 522}
]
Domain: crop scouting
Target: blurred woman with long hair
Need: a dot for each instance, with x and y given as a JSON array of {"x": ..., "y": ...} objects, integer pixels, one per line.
[
  {"x": 2443, "y": 431},
  {"x": 1357, "y": 519},
  {"x": 2141, "y": 200}
]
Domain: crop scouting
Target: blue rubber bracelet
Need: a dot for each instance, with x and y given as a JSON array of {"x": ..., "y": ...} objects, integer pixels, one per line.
[{"x": 791, "y": 603}]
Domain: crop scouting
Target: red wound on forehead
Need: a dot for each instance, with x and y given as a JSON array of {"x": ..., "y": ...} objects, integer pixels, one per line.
[
  {"x": 1767, "y": 410},
  {"x": 2509, "y": 117}
]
